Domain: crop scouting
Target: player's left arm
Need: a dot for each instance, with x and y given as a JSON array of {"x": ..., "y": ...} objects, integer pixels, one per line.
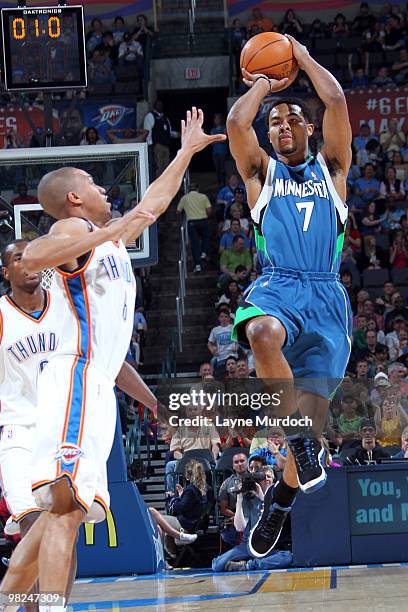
[{"x": 337, "y": 135}]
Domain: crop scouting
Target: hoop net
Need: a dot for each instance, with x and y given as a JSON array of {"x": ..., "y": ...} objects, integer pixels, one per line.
[{"x": 46, "y": 278}]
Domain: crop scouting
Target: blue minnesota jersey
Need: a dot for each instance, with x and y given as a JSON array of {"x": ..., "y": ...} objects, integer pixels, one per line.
[{"x": 299, "y": 219}]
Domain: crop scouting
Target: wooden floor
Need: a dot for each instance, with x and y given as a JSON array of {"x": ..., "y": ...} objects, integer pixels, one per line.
[{"x": 383, "y": 588}]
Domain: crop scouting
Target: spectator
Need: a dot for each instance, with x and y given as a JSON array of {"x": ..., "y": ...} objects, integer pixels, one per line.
[
  {"x": 204, "y": 437},
  {"x": 393, "y": 191},
  {"x": 372, "y": 325},
  {"x": 274, "y": 452},
  {"x": 230, "y": 368},
  {"x": 220, "y": 344},
  {"x": 403, "y": 453},
  {"x": 197, "y": 208},
  {"x": 381, "y": 386},
  {"x": 359, "y": 76},
  {"x": 317, "y": 30},
  {"x": 397, "y": 373},
  {"x": 236, "y": 212},
  {"x": 368, "y": 354},
  {"x": 364, "y": 20},
  {"x": 142, "y": 33},
  {"x": 364, "y": 135},
  {"x": 206, "y": 371},
  {"x": 241, "y": 276},
  {"x": 231, "y": 296},
  {"x": 349, "y": 422},
  {"x": 367, "y": 187},
  {"x": 108, "y": 48},
  {"x": 227, "y": 497},
  {"x": 100, "y": 70},
  {"x": 399, "y": 251},
  {"x": 398, "y": 323},
  {"x": 23, "y": 196},
  {"x": 131, "y": 52},
  {"x": 248, "y": 510},
  {"x": 390, "y": 420},
  {"x": 399, "y": 165},
  {"x": 91, "y": 137},
  {"x": 291, "y": 24},
  {"x": 95, "y": 36},
  {"x": 392, "y": 139},
  {"x": 372, "y": 153},
  {"x": 368, "y": 452},
  {"x": 238, "y": 37},
  {"x": 242, "y": 368},
  {"x": 239, "y": 200},
  {"x": 225, "y": 195},
  {"x": 115, "y": 197},
  {"x": 400, "y": 67},
  {"x": 388, "y": 291},
  {"x": 237, "y": 255},
  {"x": 185, "y": 509},
  {"x": 12, "y": 141},
  {"x": 119, "y": 30},
  {"x": 259, "y": 21},
  {"x": 227, "y": 239},
  {"x": 372, "y": 257},
  {"x": 219, "y": 149},
  {"x": 158, "y": 125},
  {"x": 382, "y": 79},
  {"x": 340, "y": 28},
  {"x": 394, "y": 34}
]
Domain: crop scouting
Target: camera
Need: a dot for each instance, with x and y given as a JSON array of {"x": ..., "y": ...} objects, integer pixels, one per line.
[{"x": 246, "y": 483}]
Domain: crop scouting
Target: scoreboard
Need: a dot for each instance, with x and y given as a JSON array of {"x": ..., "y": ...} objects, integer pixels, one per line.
[{"x": 44, "y": 48}]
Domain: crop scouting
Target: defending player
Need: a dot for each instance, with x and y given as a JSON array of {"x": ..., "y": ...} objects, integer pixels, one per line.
[
  {"x": 78, "y": 410},
  {"x": 296, "y": 316}
]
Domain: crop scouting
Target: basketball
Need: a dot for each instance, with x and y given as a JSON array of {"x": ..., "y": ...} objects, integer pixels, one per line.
[{"x": 271, "y": 54}]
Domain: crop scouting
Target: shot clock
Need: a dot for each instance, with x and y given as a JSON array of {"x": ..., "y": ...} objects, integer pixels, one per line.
[{"x": 44, "y": 48}]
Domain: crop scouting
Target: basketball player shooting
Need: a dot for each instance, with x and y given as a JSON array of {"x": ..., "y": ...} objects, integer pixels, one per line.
[
  {"x": 96, "y": 286},
  {"x": 296, "y": 316}
]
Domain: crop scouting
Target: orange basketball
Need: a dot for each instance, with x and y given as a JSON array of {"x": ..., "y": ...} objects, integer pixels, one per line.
[{"x": 271, "y": 54}]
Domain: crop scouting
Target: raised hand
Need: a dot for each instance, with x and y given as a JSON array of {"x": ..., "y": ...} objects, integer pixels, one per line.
[
  {"x": 274, "y": 84},
  {"x": 193, "y": 138},
  {"x": 299, "y": 51}
]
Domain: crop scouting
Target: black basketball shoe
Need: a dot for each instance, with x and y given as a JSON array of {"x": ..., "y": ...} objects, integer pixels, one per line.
[
  {"x": 309, "y": 455},
  {"x": 266, "y": 532}
]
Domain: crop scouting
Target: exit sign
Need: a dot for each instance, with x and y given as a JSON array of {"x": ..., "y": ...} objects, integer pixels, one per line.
[{"x": 192, "y": 73}]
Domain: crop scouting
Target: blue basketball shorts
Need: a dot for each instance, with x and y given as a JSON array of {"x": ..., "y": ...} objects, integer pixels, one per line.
[{"x": 315, "y": 311}]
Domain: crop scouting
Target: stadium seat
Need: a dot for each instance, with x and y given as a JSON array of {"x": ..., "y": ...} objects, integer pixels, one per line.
[
  {"x": 399, "y": 277},
  {"x": 326, "y": 45},
  {"x": 376, "y": 59},
  {"x": 375, "y": 278},
  {"x": 328, "y": 61},
  {"x": 350, "y": 44},
  {"x": 383, "y": 241},
  {"x": 391, "y": 57}
]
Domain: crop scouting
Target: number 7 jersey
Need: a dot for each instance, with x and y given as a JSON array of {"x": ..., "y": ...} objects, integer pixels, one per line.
[
  {"x": 27, "y": 341},
  {"x": 299, "y": 218}
]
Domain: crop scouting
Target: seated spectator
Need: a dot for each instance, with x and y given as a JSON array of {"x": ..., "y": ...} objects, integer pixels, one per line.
[
  {"x": 239, "y": 198},
  {"x": 317, "y": 30},
  {"x": 354, "y": 202},
  {"x": 373, "y": 39},
  {"x": 382, "y": 78},
  {"x": 130, "y": 52},
  {"x": 259, "y": 21},
  {"x": 237, "y": 213},
  {"x": 206, "y": 371},
  {"x": 372, "y": 325},
  {"x": 119, "y": 30},
  {"x": 100, "y": 70},
  {"x": 220, "y": 344},
  {"x": 372, "y": 346},
  {"x": 349, "y": 422},
  {"x": 228, "y": 237},
  {"x": 274, "y": 451},
  {"x": 392, "y": 139},
  {"x": 248, "y": 510},
  {"x": 191, "y": 438},
  {"x": 368, "y": 452},
  {"x": 359, "y": 80},
  {"x": 364, "y": 20},
  {"x": 367, "y": 187},
  {"x": 390, "y": 421},
  {"x": 230, "y": 368},
  {"x": 23, "y": 196},
  {"x": 372, "y": 257},
  {"x": 397, "y": 373},
  {"x": 91, "y": 137},
  {"x": 227, "y": 497},
  {"x": 226, "y": 194},
  {"x": 339, "y": 28},
  {"x": 399, "y": 251},
  {"x": 291, "y": 24},
  {"x": 142, "y": 33},
  {"x": 371, "y": 154},
  {"x": 400, "y": 165},
  {"x": 403, "y": 453},
  {"x": 109, "y": 48},
  {"x": 94, "y": 37},
  {"x": 400, "y": 67},
  {"x": 242, "y": 278},
  {"x": 394, "y": 328},
  {"x": 185, "y": 509},
  {"x": 389, "y": 290},
  {"x": 353, "y": 234},
  {"x": 364, "y": 135},
  {"x": 381, "y": 386},
  {"x": 231, "y": 296},
  {"x": 115, "y": 197},
  {"x": 237, "y": 255}
]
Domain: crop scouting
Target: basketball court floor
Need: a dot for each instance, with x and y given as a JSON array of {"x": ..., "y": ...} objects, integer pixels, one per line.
[{"x": 383, "y": 588}]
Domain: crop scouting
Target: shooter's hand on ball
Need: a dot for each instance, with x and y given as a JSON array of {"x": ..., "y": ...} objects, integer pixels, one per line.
[
  {"x": 193, "y": 139},
  {"x": 299, "y": 51},
  {"x": 274, "y": 84}
]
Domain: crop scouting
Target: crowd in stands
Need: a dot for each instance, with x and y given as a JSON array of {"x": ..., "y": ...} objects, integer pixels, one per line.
[{"x": 370, "y": 48}]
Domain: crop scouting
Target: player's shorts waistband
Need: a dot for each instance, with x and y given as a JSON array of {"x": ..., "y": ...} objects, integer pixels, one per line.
[
  {"x": 62, "y": 357},
  {"x": 301, "y": 275}
]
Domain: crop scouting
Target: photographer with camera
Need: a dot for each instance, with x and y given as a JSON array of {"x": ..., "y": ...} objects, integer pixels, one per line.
[
  {"x": 252, "y": 487},
  {"x": 227, "y": 497}
]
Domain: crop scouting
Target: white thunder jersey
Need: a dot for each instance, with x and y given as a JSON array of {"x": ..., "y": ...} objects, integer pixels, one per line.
[
  {"x": 26, "y": 345},
  {"x": 96, "y": 317}
]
